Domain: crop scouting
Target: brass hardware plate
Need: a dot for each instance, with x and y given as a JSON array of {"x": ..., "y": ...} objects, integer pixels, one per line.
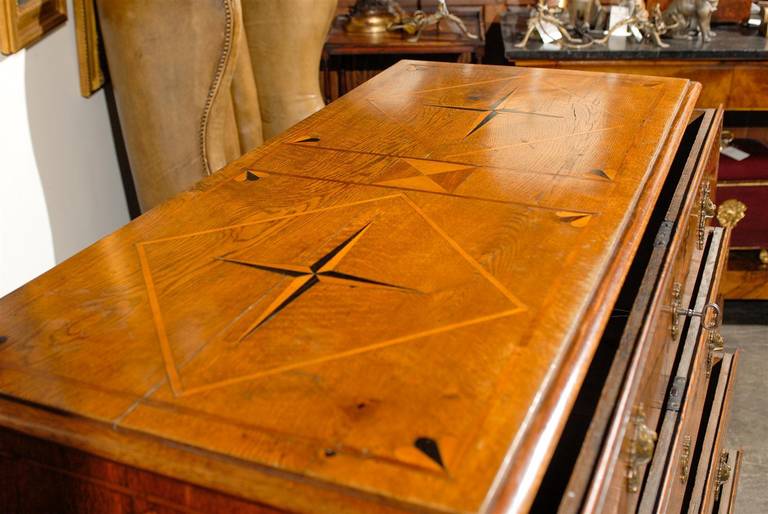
[
  {"x": 715, "y": 344},
  {"x": 677, "y": 301},
  {"x": 706, "y": 211},
  {"x": 664, "y": 234},
  {"x": 685, "y": 459},
  {"x": 676, "y": 394},
  {"x": 723, "y": 473},
  {"x": 640, "y": 450}
]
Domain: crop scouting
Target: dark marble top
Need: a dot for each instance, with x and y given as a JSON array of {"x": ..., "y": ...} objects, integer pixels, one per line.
[{"x": 731, "y": 42}]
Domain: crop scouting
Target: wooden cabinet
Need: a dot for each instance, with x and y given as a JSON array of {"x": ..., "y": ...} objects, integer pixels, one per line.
[{"x": 456, "y": 289}]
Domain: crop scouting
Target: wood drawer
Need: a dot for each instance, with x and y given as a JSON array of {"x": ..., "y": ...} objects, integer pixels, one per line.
[
  {"x": 684, "y": 404},
  {"x": 705, "y": 488},
  {"x": 635, "y": 358}
]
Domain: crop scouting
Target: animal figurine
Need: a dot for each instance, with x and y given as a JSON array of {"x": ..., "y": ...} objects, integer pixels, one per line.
[
  {"x": 686, "y": 16},
  {"x": 585, "y": 15},
  {"x": 544, "y": 13},
  {"x": 420, "y": 20},
  {"x": 650, "y": 25}
]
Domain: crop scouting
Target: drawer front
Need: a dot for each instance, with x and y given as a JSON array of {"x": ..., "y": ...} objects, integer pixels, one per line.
[
  {"x": 711, "y": 468},
  {"x": 637, "y": 381},
  {"x": 684, "y": 403}
]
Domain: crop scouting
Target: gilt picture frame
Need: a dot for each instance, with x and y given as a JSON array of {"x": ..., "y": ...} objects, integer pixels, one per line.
[
  {"x": 24, "y": 22},
  {"x": 88, "y": 49}
]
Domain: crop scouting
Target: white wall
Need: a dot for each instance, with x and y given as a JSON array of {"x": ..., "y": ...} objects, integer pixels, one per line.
[{"x": 60, "y": 186}]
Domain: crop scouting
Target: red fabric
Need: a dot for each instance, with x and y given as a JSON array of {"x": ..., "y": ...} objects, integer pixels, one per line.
[
  {"x": 752, "y": 168},
  {"x": 752, "y": 231}
]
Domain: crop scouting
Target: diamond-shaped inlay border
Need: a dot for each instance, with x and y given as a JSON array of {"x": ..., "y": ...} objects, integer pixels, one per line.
[{"x": 172, "y": 368}]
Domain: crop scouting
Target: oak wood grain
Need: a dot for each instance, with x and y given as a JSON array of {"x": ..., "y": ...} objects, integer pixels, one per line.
[{"x": 393, "y": 303}]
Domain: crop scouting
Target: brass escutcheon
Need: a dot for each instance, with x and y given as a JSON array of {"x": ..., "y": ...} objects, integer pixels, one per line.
[
  {"x": 685, "y": 458},
  {"x": 640, "y": 450},
  {"x": 723, "y": 473},
  {"x": 677, "y": 301},
  {"x": 707, "y": 210},
  {"x": 715, "y": 344}
]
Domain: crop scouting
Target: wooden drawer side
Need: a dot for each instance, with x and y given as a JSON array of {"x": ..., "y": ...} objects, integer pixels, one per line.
[
  {"x": 595, "y": 408},
  {"x": 684, "y": 404},
  {"x": 701, "y": 491}
]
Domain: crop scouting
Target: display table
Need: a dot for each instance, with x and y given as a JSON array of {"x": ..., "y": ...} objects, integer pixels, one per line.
[{"x": 408, "y": 302}]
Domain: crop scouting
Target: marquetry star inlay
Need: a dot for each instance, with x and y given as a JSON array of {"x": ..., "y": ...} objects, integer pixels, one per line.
[
  {"x": 427, "y": 175},
  {"x": 491, "y": 112},
  {"x": 306, "y": 277}
]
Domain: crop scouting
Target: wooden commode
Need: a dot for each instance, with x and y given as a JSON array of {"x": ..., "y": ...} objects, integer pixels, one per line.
[{"x": 455, "y": 289}]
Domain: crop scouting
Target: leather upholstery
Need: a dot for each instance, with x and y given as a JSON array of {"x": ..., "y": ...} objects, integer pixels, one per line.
[
  {"x": 286, "y": 39},
  {"x": 185, "y": 80}
]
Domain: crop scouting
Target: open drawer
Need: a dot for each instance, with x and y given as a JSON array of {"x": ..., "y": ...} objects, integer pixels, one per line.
[
  {"x": 701, "y": 346},
  {"x": 628, "y": 379},
  {"x": 712, "y": 466}
]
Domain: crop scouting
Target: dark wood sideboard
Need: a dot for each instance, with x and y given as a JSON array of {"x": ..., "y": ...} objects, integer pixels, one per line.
[{"x": 408, "y": 302}]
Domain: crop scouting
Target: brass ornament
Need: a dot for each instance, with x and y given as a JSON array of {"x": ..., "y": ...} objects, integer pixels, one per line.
[
  {"x": 763, "y": 256},
  {"x": 706, "y": 211},
  {"x": 372, "y": 16},
  {"x": 685, "y": 459},
  {"x": 731, "y": 212},
  {"x": 545, "y": 14},
  {"x": 715, "y": 345},
  {"x": 723, "y": 473},
  {"x": 415, "y": 24},
  {"x": 640, "y": 450},
  {"x": 726, "y": 138},
  {"x": 684, "y": 18},
  {"x": 649, "y": 23}
]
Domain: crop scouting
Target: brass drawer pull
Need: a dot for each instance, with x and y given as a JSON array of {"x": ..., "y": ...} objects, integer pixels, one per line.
[
  {"x": 707, "y": 210},
  {"x": 685, "y": 459},
  {"x": 715, "y": 344},
  {"x": 641, "y": 447},
  {"x": 708, "y": 322},
  {"x": 731, "y": 212},
  {"x": 723, "y": 473}
]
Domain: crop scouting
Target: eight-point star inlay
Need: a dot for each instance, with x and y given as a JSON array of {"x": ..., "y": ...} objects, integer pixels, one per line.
[
  {"x": 306, "y": 277},
  {"x": 494, "y": 110}
]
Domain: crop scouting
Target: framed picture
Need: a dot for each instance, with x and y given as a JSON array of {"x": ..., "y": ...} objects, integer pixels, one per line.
[
  {"x": 23, "y": 22},
  {"x": 88, "y": 49}
]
